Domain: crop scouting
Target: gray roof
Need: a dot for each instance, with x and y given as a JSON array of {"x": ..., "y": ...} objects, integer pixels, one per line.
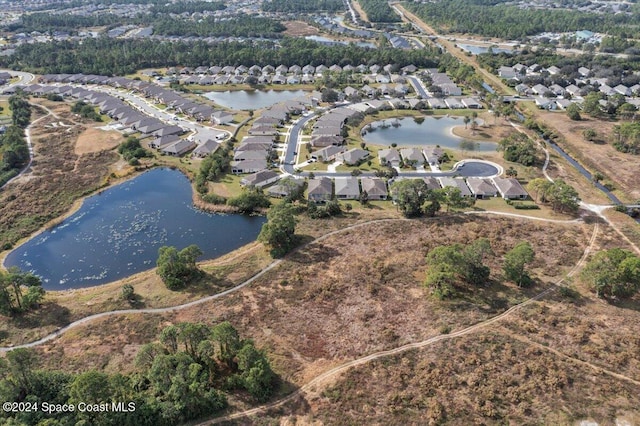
[
  {"x": 347, "y": 187},
  {"x": 456, "y": 183},
  {"x": 482, "y": 187},
  {"x": 375, "y": 187},
  {"x": 510, "y": 187}
]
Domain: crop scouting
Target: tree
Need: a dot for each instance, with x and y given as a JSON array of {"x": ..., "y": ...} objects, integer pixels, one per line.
[
  {"x": 410, "y": 195},
  {"x": 279, "y": 231},
  {"x": 573, "y": 112},
  {"x": 518, "y": 148},
  {"x": 178, "y": 268},
  {"x": 467, "y": 145},
  {"x": 591, "y": 104},
  {"x": 329, "y": 95},
  {"x": 128, "y": 292},
  {"x": 540, "y": 187},
  {"x": 12, "y": 284},
  {"x": 454, "y": 200},
  {"x": 613, "y": 273},
  {"x": 250, "y": 200},
  {"x": 511, "y": 172},
  {"x": 515, "y": 262},
  {"x": 590, "y": 134},
  {"x": 563, "y": 197}
]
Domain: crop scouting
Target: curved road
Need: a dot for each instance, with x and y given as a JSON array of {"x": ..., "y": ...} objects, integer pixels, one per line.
[{"x": 24, "y": 79}]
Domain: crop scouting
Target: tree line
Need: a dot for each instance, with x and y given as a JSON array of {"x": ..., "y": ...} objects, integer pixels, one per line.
[
  {"x": 241, "y": 26},
  {"x": 303, "y": 6},
  {"x": 14, "y": 151},
  {"x": 185, "y": 375},
  {"x": 414, "y": 199},
  {"x": 493, "y": 19},
  {"x": 106, "y": 56}
]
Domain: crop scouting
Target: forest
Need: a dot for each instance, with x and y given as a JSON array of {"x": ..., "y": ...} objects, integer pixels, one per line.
[
  {"x": 303, "y": 6},
  {"x": 242, "y": 26},
  {"x": 105, "y": 56},
  {"x": 379, "y": 11},
  {"x": 493, "y": 19},
  {"x": 185, "y": 375}
]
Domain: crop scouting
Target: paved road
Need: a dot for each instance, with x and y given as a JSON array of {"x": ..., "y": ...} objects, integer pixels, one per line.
[
  {"x": 203, "y": 132},
  {"x": 25, "y": 78}
]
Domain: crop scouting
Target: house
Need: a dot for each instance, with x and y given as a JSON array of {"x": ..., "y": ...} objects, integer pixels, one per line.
[
  {"x": 285, "y": 187},
  {"x": 433, "y": 154},
  {"x": 481, "y": 188},
  {"x": 168, "y": 130},
  {"x": 178, "y": 148},
  {"x": 454, "y": 103},
  {"x": 354, "y": 156},
  {"x": 435, "y": 103},
  {"x": 163, "y": 141},
  {"x": 254, "y": 154},
  {"x": 544, "y": 103},
  {"x": 506, "y": 72},
  {"x": 412, "y": 156},
  {"x": 389, "y": 157},
  {"x": 326, "y": 140},
  {"x": 260, "y": 179},
  {"x": 376, "y": 189},
  {"x": 540, "y": 89},
  {"x": 347, "y": 188},
  {"x": 623, "y": 90},
  {"x": 573, "y": 90},
  {"x": 584, "y": 72},
  {"x": 455, "y": 183},
  {"x": 471, "y": 103},
  {"x": 221, "y": 117},
  {"x": 248, "y": 166},
  {"x": 320, "y": 190},
  {"x": 553, "y": 70},
  {"x": 282, "y": 69},
  {"x": 208, "y": 147},
  {"x": 510, "y": 188},
  {"x": 432, "y": 183},
  {"x": 557, "y": 90},
  {"x": 327, "y": 154}
]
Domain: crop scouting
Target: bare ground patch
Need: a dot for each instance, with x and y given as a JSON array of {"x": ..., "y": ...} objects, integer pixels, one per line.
[
  {"x": 96, "y": 140},
  {"x": 299, "y": 29}
]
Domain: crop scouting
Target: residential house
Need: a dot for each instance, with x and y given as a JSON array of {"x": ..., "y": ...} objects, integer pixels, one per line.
[
  {"x": 482, "y": 188},
  {"x": 432, "y": 183},
  {"x": 284, "y": 187},
  {"x": 433, "y": 154},
  {"x": 347, "y": 188},
  {"x": 248, "y": 166},
  {"x": 208, "y": 147},
  {"x": 260, "y": 179},
  {"x": 163, "y": 141},
  {"x": 178, "y": 148},
  {"x": 412, "y": 156},
  {"x": 389, "y": 157},
  {"x": 221, "y": 117},
  {"x": 455, "y": 183},
  {"x": 375, "y": 188},
  {"x": 354, "y": 156},
  {"x": 510, "y": 188},
  {"x": 327, "y": 154},
  {"x": 320, "y": 190}
]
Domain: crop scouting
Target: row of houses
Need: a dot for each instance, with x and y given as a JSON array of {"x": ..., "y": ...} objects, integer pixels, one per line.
[
  {"x": 255, "y": 150},
  {"x": 164, "y": 137},
  {"x": 309, "y": 69},
  {"x": 328, "y": 129},
  {"x": 350, "y": 188},
  {"x": 154, "y": 92},
  {"x": 410, "y": 156}
]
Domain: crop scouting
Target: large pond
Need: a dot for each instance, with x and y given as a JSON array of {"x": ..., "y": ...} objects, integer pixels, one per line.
[
  {"x": 119, "y": 231},
  {"x": 410, "y": 131},
  {"x": 252, "y": 99}
]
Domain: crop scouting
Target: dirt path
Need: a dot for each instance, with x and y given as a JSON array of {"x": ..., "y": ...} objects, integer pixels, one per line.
[
  {"x": 313, "y": 387},
  {"x": 356, "y": 6}
]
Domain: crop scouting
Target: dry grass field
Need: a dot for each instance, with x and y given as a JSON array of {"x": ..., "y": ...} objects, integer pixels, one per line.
[{"x": 620, "y": 168}]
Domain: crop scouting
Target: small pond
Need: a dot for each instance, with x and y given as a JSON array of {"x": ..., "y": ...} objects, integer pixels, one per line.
[
  {"x": 118, "y": 232},
  {"x": 410, "y": 131},
  {"x": 252, "y": 99}
]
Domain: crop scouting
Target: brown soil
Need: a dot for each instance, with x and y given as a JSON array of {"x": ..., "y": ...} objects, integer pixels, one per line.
[
  {"x": 299, "y": 29},
  {"x": 96, "y": 140},
  {"x": 622, "y": 169}
]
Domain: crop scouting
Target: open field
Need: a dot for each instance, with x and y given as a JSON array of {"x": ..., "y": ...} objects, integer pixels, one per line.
[
  {"x": 617, "y": 167},
  {"x": 299, "y": 29},
  {"x": 96, "y": 140}
]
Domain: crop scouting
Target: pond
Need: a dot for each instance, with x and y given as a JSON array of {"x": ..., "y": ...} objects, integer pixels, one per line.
[
  {"x": 252, "y": 99},
  {"x": 410, "y": 131},
  {"x": 118, "y": 232}
]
